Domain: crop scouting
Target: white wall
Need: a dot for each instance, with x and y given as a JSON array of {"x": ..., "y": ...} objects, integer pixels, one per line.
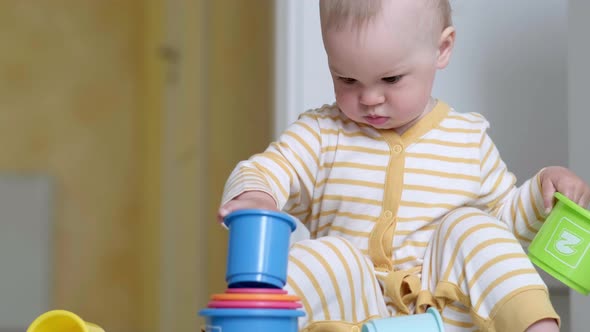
[
  {"x": 302, "y": 77},
  {"x": 317, "y": 87},
  {"x": 509, "y": 64},
  {"x": 579, "y": 118}
]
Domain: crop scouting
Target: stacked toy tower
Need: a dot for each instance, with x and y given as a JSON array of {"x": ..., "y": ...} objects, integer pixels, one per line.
[{"x": 256, "y": 275}]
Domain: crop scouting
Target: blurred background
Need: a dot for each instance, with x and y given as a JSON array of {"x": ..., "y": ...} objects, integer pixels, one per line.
[{"x": 120, "y": 121}]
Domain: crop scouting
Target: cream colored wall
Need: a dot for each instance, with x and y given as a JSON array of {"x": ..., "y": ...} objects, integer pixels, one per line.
[
  {"x": 238, "y": 99},
  {"x": 217, "y": 102},
  {"x": 69, "y": 107},
  {"x": 139, "y": 110},
  {"x": 219, "y": 111},
  {"x": 183, "y": 229},
  {"x": 152, "y": 86}
]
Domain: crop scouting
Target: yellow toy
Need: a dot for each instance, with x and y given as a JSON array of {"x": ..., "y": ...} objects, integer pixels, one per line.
[{"x": 62, "y": 321}]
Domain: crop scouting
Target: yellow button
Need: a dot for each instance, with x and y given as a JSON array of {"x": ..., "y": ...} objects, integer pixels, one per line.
[
  {"x": 388, "y": 214},
  {"x": 354, "y": 329},
  {"x": 397, "y": 148}
]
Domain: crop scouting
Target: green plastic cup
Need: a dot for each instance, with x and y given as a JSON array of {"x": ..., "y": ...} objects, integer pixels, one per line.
[{"x": 561, "y": 246}]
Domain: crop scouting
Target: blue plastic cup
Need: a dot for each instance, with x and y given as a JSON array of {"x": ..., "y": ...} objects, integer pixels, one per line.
[
  {"x": 245, "y": 320},
  {"x": 426, "y": 322},
  {"x": 258, "y": 248}
]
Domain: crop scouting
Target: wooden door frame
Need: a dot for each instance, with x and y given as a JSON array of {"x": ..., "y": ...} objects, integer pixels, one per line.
[
  {"x": 173, "y": 207},
  {"x": 153, "y": 69},
  {"x": 192, "y": 149}
]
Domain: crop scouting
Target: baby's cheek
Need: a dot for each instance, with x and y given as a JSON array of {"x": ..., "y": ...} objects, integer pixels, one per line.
[
  {"x": 342, "y": 94},
  {"x": 345, "y": 99},
  {"x": 411, "y": 105}
]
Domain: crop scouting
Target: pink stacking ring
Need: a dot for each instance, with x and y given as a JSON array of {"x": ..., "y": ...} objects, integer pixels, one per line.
[
  {"x": 256, "y": 291},
  {"x": 254, "y": 304}
]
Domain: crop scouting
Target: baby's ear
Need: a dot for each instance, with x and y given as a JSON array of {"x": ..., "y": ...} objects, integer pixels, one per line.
[{"x": 445, "y": 47}]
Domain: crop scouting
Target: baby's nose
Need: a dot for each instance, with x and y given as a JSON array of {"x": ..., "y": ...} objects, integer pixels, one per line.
[{"x": 372, "y": 98}]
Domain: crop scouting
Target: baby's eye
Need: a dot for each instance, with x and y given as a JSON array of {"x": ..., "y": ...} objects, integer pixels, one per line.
[
  {"x": 347, "y": 80},
  {"x": 392, "y": 79}
]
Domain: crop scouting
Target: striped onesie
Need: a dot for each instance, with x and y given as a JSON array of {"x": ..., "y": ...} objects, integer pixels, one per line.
[{"x": 400, "y": 223}]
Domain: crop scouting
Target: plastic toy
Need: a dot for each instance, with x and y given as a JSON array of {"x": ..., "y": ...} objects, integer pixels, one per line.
[
  {"x": 258, "y": 248},
  {"x": 250, "y": 320},
  {"x": 256, "y": 273},
  {"x": 257, "y": 257},
  {"x": 561, "y": 245},
  {"x": 62, "y": 321}
]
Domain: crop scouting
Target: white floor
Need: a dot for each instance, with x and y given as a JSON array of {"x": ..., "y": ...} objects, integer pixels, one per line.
[
  {"x": 560, "y": 299},
  {"x": 561, "y": 303}
]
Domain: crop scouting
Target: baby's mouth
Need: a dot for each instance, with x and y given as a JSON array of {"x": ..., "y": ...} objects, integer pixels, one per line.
[{"x": 376, "y": 119}]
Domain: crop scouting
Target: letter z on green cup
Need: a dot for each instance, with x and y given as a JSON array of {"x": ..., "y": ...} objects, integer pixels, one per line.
[{"x": 561, "y": 246}]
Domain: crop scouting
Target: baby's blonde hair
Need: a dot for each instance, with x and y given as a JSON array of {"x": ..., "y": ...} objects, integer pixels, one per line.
[{"x": 336, "y": 13}]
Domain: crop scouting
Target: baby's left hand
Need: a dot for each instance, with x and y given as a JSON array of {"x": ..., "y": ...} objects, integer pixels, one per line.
[{"x": 563, "y": 180}]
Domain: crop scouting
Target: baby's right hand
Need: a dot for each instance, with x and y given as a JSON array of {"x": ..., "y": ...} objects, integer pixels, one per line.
[{"x": 247, "y": 200}]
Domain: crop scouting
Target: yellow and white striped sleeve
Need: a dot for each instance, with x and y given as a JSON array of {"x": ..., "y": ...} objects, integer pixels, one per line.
[
  {"x": 286, "y": 169},
  {"x": 519, "y": 207}
]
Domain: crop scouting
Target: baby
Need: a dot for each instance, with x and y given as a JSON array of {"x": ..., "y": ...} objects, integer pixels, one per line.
[{"x": 408, "y": 202}]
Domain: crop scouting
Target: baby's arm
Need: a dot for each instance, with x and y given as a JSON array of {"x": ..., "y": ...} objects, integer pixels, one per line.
[
  {"x": 247, "y": 200},
  {"x": 526, "y": 207},
  {"x": 521, "y": 208},
  {"x": 280, "y": 178}
]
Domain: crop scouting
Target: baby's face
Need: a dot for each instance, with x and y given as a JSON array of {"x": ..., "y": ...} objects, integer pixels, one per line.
[{"x": 383, "y": 72}]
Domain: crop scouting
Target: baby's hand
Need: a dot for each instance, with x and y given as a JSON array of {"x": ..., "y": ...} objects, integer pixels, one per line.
[
  {"x": 247, "y": 200},
  {"x": 566, "y": 182}
]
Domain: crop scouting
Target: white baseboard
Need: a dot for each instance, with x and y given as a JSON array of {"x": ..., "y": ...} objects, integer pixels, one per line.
[{"x": 25, "y": 248}]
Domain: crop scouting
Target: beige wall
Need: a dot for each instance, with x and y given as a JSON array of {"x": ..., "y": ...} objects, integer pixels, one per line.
[
  {"x": 139, "y": 143},
  {"x": 239, "y": 104},
  {"x": 69, "y": 108},
  {"x": 219, "y": 96}
]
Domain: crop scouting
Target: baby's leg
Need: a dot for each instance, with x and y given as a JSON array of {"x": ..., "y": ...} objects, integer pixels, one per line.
[
  {"x": 336, "y": 283},
  {"x": 480, "y": 275}
]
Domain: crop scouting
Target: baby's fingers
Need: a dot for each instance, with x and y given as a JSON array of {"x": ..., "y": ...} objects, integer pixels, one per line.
[
  {"x": 583, "y": 195},
  {"x": 584, "y": 200},
  {"x": 228, "y": 208},
  {"x": 548, "y": 190},
  {"x": 221, "y": 213}
]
